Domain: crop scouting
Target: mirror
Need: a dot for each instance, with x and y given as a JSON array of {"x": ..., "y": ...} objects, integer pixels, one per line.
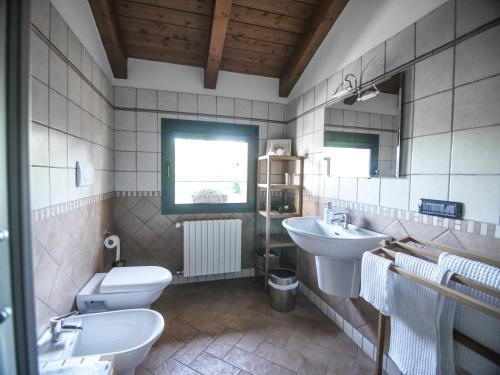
[{"x": 362, "y": 130}]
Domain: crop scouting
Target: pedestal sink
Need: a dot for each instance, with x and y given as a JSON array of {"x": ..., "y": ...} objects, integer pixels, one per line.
[{"x": 337, "y": 251}]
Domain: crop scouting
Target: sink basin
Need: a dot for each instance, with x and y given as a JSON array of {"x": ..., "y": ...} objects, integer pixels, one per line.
[
  {"x": 337, "y": 251},
  {"x": 127, "y": 335}
]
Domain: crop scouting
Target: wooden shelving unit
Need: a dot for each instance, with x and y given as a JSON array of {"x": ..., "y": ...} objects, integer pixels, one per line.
[{"x": 269, "y": 240}]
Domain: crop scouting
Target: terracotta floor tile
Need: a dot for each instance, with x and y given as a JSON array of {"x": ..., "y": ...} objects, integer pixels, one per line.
[
  {"x": 142, "y": 371},
  {"x": 216, "y": 327},
  {"x": 224, "y": 343},
  {"x": 340, "y": 365},
  {"x": 210, "y": 365},
  {"x": 278, "y": 370},
  {"x": 172, "y": 367},
  {"x": 316, "y": 353},
  {"x": 363, "y": 364},
  {"x": 181, "y": 330},
  {"x": 252, "y": 339},
  {"x": 207, "y": 326},
  {"x": 279, "y": 335},
  {"x": 310, "y": 367},
  {"x": 283, "y": 357},
  {"x": 234, "y": 322},
  {"x": 163, "y": 349},
  {"x": 193, "y": 348},
  {"x": 345, "y": 346},
  {"x": 248, "y": 362}
]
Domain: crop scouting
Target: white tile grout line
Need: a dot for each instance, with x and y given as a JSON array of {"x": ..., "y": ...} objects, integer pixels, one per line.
[
  {"x": 245, "y": 272},
  {"x": 361, "y": 341}
]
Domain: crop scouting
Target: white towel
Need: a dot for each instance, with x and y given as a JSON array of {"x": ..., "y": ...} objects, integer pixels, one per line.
[
  {"x": 471, "y": 322},
  {"x": 418, "y": 321},
  {"x": 376, "y": 280}
]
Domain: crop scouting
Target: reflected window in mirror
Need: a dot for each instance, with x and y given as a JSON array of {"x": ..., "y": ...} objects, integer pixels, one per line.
[
  {"x": 351, "y": 154},
  {"x": 362, "y": 131}
]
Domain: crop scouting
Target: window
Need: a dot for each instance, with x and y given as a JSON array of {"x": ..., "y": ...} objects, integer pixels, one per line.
[
  {"x": 348, "y": 162},
  {"x": 351, "y": 154},
  {"x": 208, "y": 167}
]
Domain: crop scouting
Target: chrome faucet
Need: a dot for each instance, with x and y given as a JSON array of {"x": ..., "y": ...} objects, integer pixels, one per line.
[
  {"x": 57, "y": 326},
  {"x": 341, "y": 218}
]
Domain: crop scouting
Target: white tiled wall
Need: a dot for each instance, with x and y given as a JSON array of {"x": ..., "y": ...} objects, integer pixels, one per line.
[
  {"x": 451, "y": 117},
  {"x": 138, "y": 117},
  {"x": 72, "y": 116}
]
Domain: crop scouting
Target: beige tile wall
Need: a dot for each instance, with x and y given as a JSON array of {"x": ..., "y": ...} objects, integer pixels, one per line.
[
  {"x": 149, "y": 237},
  {"x": 451, "y": 120},
  {"x": 72, "y": 113},
  {"x": 72, "y": 120},
  {"x": 138, "y": 114},
  {"x": 78, "y": 115},
  {"x": 451, "y": 137}
]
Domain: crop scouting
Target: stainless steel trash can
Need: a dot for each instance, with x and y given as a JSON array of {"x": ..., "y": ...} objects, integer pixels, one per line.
[{"x": 282, "y": 289}]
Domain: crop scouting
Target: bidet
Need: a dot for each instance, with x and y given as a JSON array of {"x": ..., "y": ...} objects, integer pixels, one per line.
[{"x": 127, "y": 335}]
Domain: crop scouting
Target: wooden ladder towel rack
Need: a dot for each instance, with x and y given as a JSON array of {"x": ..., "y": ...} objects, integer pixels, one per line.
[{"x": 390, "y": 250}]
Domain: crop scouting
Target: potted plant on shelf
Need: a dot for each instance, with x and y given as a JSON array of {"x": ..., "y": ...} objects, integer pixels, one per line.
[{"x": 208, "y": 195}]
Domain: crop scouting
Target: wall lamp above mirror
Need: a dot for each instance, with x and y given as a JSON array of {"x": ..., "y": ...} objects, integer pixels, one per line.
[{"x": 363, "y": 129}]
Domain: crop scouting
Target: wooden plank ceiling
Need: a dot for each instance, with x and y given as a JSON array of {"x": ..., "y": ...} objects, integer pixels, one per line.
[{"x": 272, "y": 38}]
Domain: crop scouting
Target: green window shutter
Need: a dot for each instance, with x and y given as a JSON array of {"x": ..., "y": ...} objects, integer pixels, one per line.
[{"x": 171, "y": 128}]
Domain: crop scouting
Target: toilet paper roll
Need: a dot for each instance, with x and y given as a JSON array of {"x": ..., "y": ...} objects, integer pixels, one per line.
[{"x": 111, "y": 242}]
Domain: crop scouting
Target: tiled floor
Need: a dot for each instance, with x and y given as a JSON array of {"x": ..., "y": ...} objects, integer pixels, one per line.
[{"x": 228, "y": 327}]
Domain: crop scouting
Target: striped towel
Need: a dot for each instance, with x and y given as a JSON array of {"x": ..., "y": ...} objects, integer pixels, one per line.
[
  {"x": 421, "y": 321},
  {"x": 471, "y": 322},
  {"x": 376, "y": 282}
]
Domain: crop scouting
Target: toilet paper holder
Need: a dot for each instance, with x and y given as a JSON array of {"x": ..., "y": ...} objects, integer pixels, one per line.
[{"x": 112, "y": 241}]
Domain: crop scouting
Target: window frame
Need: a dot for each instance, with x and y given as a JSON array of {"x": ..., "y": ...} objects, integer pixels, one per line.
[
  {"x": 170, "y": 128},
  {"x": 356, "y": 140}
]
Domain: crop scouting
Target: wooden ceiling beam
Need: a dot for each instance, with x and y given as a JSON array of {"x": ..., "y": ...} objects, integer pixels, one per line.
[
  {"x": 107, "y": 25},
  {"x": 220, "y": 21},
  {"x": 322, "y": 21}
]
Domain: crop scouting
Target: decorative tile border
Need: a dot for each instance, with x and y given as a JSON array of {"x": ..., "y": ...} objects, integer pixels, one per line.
[
  {"x": 361, "y": 341},
  {"x": 59, "y": 209},
  {"x": 468, "y": 226},
  {"x": 245, "y": 272},
  {"x": 124, "y": 194}
]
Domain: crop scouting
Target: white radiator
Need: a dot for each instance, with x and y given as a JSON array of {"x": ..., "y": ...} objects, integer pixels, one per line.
[{"x": 212, "y": 247}]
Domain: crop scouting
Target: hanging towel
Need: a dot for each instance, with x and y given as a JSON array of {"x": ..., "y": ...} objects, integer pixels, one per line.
[
  {"x": 376, "y": 282},
  {"x": 418, "y": 320},
  {"x": 471, "y": 322}
]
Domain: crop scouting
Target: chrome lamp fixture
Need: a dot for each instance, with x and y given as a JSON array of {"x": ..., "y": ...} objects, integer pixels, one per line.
[
  {"x": 350, "y": 88},
  {"x": 368, "y": 93}
]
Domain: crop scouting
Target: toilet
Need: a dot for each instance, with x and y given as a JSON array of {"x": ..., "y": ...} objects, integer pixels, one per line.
[{"x": 123, "y": 288}]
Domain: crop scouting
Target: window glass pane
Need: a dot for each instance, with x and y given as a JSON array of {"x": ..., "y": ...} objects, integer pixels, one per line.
[
  {"x": 348, "y": 162},
  {"x": 210, "y": 171}
]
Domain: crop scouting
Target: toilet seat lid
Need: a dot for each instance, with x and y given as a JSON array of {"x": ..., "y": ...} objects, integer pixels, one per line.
[{"x": 135, "y": 279}]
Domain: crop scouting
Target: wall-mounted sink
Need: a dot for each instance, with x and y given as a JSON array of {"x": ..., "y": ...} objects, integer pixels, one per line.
[{"x": 337, "y": 251}]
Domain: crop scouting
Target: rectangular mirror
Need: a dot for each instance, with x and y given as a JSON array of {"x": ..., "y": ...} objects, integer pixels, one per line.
[{"x": 362, "y": 131}]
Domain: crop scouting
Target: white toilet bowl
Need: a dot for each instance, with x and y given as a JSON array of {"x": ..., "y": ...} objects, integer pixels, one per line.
[{"x": 123, "y": 288}]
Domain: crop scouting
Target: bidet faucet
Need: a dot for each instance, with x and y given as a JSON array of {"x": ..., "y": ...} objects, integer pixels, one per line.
[
  {"x": 57, "y": 325},
  {"x": 341, "y": 218}
]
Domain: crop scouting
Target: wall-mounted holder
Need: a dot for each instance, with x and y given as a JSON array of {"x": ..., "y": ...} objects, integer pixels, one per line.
[
  {"x": 84, "y": 174},
  {"x": 452, "y": 210}
]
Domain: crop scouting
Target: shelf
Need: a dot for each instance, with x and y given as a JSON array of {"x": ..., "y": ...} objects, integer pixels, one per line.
[
  {"x": 276, "y": 215},
  {"x": 279, "y": 240},
  {"x": 284, "y": 158},
  {"x": 281, "y": 186}
]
